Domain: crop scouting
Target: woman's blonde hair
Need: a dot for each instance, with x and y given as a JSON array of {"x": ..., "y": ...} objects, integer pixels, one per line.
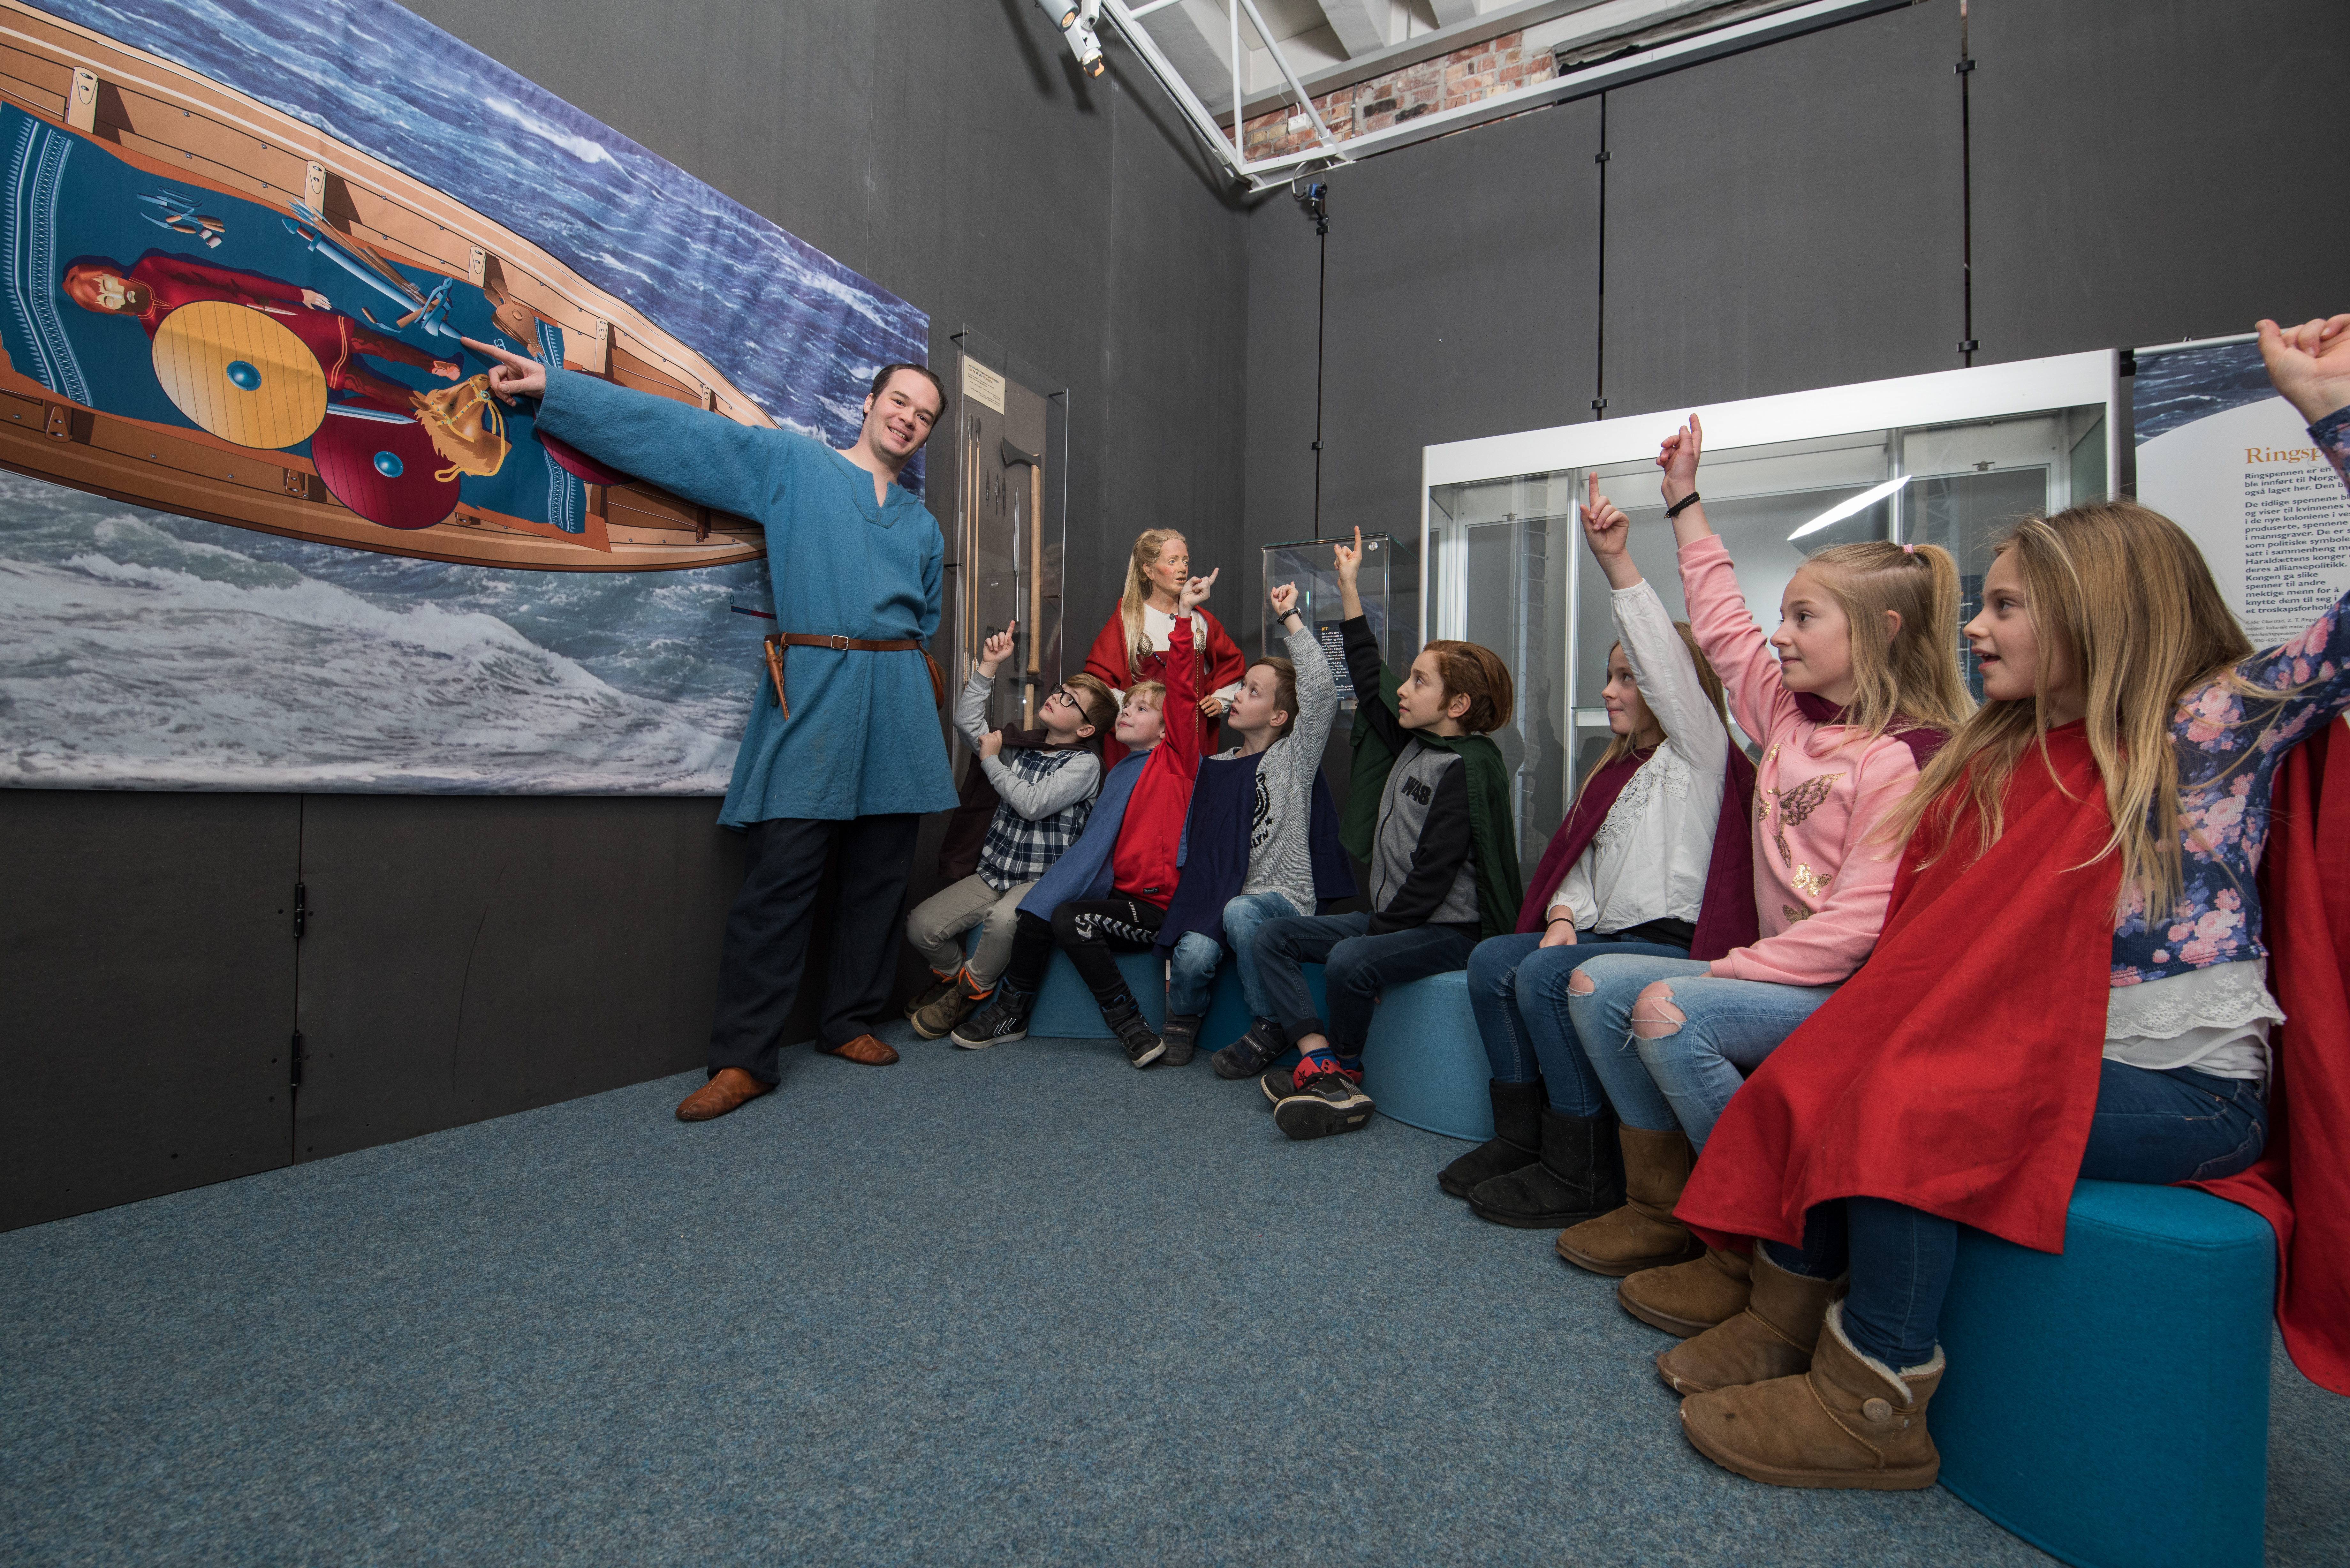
[
  {"x": 1147, "y": 546},
  {"x": 1620, "y": 746},
  {"x": 1915, "y": 677},
  {"x": 2123, "y": 597}
]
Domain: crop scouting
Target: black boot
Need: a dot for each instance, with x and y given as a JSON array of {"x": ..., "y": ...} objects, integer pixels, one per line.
[
  {"x": 1516, "y": 1142},
  {"x": 1265, "y": 1043},
  {"x": 1182, "y": 1037},
  {"x": 1003, "y": 1019},
  {"x": 1579, "y": 1177},
  {"x": 1133, "y": 1031}
]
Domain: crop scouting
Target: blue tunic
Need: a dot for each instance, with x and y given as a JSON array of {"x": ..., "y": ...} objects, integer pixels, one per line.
[{"x": 863, "y": 738}]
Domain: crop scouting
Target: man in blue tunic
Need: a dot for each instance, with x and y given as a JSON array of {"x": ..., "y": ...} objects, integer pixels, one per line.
[{"x": 851, "y": 755}]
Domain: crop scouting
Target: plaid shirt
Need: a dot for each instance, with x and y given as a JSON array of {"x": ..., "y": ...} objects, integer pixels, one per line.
[{"x": 1018, "y": 851}]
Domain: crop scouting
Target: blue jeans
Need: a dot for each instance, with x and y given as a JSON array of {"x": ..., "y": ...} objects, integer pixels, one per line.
[
  {"x": 2150, "y": 1127},
  {"x": 1191, "y": 972},
  {"x": 1356, "y": 967},
  {"x": 1517, "y": 989},
  {"x": 1685, "y": 1078}
]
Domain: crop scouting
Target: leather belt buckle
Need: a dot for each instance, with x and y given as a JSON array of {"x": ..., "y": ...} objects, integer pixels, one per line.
[{"x": 838, "y": 643}]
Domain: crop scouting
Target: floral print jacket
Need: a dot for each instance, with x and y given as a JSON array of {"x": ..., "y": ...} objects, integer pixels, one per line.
[{"x": 2226, "y": 769}]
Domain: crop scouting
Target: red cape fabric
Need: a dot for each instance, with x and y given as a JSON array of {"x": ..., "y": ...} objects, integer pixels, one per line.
[
  {"x": 1956, "y": 1071},
  {"x": 1725, "y": 916},
  {"x": 2301, "y": 1182},
  {"x": 1108, "y": 659}
]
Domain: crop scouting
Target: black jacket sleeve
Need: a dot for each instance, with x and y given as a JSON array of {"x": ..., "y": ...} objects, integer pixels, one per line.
[
  {"x": 1444, "y": 845},
  {"x": 1364, "y": 667}
]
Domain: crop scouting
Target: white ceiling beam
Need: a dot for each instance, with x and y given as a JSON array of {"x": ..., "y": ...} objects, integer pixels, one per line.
[
  {"x": 1362, "y": 24},
  {"x": 1453, "y": 13},
  {"x": 1196, "y": 38}
]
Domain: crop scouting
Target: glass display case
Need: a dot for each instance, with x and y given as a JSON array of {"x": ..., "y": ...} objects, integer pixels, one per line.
[
  {"x": 1387, "y": 583},
  {"x": 1011, "y": 434},
  {"x": 1950, "y": 459}
]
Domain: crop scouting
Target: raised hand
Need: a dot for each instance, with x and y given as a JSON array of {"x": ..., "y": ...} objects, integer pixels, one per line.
[
  {"x": 1610, "y": 534},
  {"x": 996, "y": 650},
  {"x": 511, "y": 375},
  {"x": 1195, "y": 593},
  {"x": 2310, "y": 363},
  {"x": 1348, "y": 560},
  {"x": 1678, "y": 457},
  {"x": 1285, "y": 602}
]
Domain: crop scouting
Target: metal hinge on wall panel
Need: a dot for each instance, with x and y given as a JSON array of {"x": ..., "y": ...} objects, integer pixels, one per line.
[
  {"x": 301, "y": 910},
  {"x": 1963, "y": 66},
  {"x": 295, "y": 1054}
]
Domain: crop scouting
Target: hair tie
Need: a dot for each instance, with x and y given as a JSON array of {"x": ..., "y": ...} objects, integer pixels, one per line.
[{"x": 1909, "y": 549}]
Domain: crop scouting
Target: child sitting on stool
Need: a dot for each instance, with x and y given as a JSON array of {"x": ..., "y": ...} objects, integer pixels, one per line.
[
  {"x": 1045, "y": 792},
  {"x": 1110, "y": 890},
  {"x": 1262, "y": 844},
  {"x": 1444, "y": 862}
]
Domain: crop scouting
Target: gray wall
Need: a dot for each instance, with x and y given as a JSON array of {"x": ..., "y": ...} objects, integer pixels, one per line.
[
  {"x": 467, "y": 958},
  {"x": 1794, "y": 217}
]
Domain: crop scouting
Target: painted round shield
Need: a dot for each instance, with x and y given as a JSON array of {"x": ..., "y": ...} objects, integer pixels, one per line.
[
  {"x": 387, "y": 473},
  {"x": 239, "y": 374}
]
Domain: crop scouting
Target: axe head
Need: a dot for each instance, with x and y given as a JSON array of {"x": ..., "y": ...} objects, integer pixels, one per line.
[{"x": 1013, "y": 457}]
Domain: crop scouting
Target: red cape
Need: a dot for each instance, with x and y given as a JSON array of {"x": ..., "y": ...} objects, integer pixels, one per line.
[
  {"x": 1108, "y": 659},
  {"x": 2301, "y": 1184},
  {"x": 1725, "y": 915},
  {"x": 1957, "y": 1071}
]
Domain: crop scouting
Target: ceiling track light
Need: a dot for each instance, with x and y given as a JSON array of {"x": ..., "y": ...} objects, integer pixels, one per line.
[{"x": 1076, "y": 25}]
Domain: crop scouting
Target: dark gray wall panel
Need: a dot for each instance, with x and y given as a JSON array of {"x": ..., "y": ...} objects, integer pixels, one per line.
[
  {"x": 1787, "y": 218},
  {"x": 147, "y": 948},
  {"x": 2152, "y": 169},
  {"x": 471, "y": 956}
]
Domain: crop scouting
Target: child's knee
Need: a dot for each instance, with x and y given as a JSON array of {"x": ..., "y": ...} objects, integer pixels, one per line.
[
  {"x": 1654, "y": 1016},
  {"x": 1580, "y": 983}
]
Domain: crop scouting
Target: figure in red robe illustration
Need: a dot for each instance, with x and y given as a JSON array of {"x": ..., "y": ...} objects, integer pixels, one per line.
[{"x": 160, "y": 283}]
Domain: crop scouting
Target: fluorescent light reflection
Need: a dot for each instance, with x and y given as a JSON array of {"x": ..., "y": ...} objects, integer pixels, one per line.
[{"x": 1844, "y": 509}]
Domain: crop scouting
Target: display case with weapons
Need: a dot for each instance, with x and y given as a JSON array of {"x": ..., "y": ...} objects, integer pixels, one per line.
[{"x": 1009, "y": 428}]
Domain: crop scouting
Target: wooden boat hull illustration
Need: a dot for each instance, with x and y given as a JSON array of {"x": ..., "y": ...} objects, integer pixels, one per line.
[{"x": 215, "y": 310}]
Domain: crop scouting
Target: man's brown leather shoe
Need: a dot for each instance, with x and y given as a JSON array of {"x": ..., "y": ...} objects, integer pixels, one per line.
[
  {"x": 864, "y": 1049},
  {"x": 730, "y": 1090}
]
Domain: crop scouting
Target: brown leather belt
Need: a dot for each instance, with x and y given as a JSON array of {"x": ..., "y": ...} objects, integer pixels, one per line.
[{"x": 779, "y": 641}]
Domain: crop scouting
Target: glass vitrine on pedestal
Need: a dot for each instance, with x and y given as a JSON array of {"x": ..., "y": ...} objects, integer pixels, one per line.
[
  {"x": 1951, "y": 459},
  {"x": 1009, "y": 423},
  {"x": 1387, "y": 583}
]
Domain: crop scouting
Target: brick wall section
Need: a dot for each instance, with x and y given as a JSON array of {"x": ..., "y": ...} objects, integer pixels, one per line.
[{"x": 1463, "y": 76}]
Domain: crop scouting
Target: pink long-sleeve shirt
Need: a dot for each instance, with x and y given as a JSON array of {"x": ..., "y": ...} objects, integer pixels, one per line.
[{"x": 1821, "y": 881}]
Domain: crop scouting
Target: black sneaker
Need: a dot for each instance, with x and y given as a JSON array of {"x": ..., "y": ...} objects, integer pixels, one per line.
[
  {"x": 1277, "y": 1084},
  {"x": 938, "y": 991},
  {"x": 1252, "y": 1053},
  {"x": 1142, "y": 1047},
  {"x": 1328, "y": 1102},
  {"x": 1182, "y": 1037},
  {"x": 1003, "y": 1020}
]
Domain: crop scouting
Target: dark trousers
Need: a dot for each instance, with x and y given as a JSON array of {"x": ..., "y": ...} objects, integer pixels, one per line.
[
  {"x": 1356, "y": 967},
  {"x": 2151, "y": 1127},
  {"x": 767, "y": 934},
  {"x": 1089, "y": 930}
]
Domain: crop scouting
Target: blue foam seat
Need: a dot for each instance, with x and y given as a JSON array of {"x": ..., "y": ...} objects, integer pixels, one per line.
[
  {"x": 1423, "y": 1064},
  {"x": 2110, "y": 1405}
]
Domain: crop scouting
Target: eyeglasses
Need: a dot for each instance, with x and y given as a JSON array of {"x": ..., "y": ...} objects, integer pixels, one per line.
[{"x": 1062, "y": 694}]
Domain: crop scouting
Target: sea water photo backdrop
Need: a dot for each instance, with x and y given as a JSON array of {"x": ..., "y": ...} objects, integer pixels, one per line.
[{"x": 144, "y": 650}]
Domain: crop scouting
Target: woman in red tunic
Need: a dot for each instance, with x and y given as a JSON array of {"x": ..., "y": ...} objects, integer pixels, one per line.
[{"x": 1133, "y": 643}]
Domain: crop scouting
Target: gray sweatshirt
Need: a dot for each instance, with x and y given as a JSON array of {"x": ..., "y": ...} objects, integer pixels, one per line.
[
  {"x": 1032, "y": 798},
  {"x": 1281, "y": 855}
]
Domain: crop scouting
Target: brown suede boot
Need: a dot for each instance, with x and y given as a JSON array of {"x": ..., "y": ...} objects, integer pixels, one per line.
[
  {"x": 1772, "y": 1338},
  {"x": 1850, "y": 1422},
  {"x": 1689, "y": 1298},
  {"x": 1643, "y": 1234},
  {"x": 939, "y": 1016}
]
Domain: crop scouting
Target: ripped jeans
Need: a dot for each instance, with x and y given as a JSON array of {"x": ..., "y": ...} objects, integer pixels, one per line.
[{"x": 1682, "y": 1078}]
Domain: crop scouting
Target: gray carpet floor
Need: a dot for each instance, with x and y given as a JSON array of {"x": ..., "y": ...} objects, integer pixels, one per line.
[{"x": 1018, "y": 1305}]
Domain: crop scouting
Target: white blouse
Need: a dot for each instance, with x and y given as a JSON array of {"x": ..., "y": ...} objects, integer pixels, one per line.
[
  {"x": 1649, "y": 859},
  {"x": 2215, "y": 1020}
]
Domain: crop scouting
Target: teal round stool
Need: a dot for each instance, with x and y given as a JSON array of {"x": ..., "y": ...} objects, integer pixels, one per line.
[{"x": 1424, "y": 1064}]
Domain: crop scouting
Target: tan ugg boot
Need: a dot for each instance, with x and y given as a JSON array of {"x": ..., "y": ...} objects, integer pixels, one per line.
[
  {"x": 1772, "y": 1338},
  {"x": 1850, "y": 1422},
  {"x": 1643, "y": 1234},
  {"x": 1689, "y": 1298}
]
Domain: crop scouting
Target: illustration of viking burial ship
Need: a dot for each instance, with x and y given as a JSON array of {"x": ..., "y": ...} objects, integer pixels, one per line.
[{"x": 214, "y": 309}]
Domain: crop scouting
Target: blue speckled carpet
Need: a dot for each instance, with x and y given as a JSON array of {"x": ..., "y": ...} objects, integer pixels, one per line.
[{"x": 1017, "y": 1305}]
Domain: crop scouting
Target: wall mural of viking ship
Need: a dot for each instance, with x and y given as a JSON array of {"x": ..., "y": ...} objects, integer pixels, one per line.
[{"x": 261, "y": 526}]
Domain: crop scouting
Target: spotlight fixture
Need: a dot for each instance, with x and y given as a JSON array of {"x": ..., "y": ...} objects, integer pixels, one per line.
[
  {"x": 1076, "y": 22},
  {"x": 1844, "y": 509}
]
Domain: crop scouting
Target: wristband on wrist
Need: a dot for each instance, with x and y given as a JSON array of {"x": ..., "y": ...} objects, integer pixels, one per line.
[
  {"x": 1683, "y": 504},
  {"x": 1559, "y": 920}
]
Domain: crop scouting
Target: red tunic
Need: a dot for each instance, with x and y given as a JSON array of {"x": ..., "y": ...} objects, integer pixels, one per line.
[
  {"x": 335, "y": 339},
  {"x": 1109, "y": 659},
  {"x": 1142, "y": 862}
]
